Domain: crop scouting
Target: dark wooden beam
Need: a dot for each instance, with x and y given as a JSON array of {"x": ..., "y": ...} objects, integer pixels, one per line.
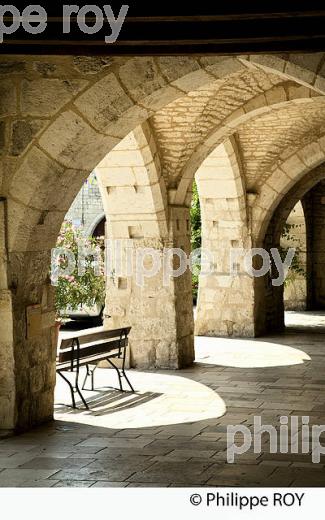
[{"x": 237, "y": 28}]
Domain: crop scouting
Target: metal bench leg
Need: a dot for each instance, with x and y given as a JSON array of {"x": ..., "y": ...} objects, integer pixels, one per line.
[
  {"x": 87, "y": 375},
  {"x": 124, "y": 374},
  {"x": 127, "y": 380},
  {"x": 118, "y": 373},
  {"x": 79, "y": 391},
  {"x": 90, "y": 372},
  {"x": 71, "y": 388},
  {"x": 92, "y": 378}
]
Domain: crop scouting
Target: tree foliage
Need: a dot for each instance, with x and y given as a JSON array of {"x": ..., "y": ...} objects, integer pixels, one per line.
[
  {"x": 196, "y": 235},
  {"x": 297, "y": 268}
]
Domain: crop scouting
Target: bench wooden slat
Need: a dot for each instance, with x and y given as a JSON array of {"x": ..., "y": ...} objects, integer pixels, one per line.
[
  {"x": 92, "y": 350},
  {"x": 94, "y": 337},
  {"x": 91, "y": 360}
]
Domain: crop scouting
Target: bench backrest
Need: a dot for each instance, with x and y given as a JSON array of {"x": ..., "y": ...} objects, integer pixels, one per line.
[{"x": 92, "y": 344}]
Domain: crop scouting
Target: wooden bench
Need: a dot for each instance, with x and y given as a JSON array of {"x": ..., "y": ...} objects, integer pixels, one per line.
[{"x": 88, "y": 349}]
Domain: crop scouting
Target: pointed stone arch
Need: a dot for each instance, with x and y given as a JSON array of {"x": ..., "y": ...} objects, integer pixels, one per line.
[
  {"x": 306, "y": 169},
  {"x": 282, "y": 178}
]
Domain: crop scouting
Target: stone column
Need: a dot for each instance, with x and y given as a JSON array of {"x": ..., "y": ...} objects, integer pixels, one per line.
[
  {"x": 158, "y": 307},
  {"x": 27, "y": 324},
  {"x": 34, "y": 338},
  {"x": 27, "y": 344},
  {"x": 7, "y": 365},
  {"x": 226, "y": 295}
]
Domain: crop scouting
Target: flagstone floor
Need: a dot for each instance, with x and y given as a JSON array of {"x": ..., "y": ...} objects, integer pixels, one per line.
[{"x": 173, "y": 430}]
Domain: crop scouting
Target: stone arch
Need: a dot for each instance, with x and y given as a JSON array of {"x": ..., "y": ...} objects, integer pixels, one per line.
[
  {"x": 261, "y": 106},
  {"x": 284, "y": 178},
  {"x": 131, "y": 184},
  {"x": 92, "y": 115},
  {"x": 281, "y": 179},
  {"x": 182, "y": 195},
  {"x": 64, "y": 119},
  {"x": 312, "y": 158},
  {"x": 269, "y": 298},
  {"x": 92, "y": 227},
  {"x": 304, "y": 69}
]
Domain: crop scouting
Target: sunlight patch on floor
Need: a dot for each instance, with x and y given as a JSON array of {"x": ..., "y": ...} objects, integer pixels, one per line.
[
  {"x": 312, "y": 319},
  {"x": 246, "y": 353},
  {"x": 160, "y": 399}
]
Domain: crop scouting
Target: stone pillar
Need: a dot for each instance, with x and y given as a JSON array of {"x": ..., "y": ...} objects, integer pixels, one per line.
[
  {"x": 269, "y": 304},
  {"x": 157, "y": 307},
  {"x": 7, "y": 365},
  {"x": 179, "y": 219},
  {"x": 34, "y": 338},
  {"x": 139, "y": 217},
  {"x": 314, "y": 206},
  {"x": 226, "y": 295},
  {"x": 27, "y": 350},
  {"x": 27, "y": 325}
]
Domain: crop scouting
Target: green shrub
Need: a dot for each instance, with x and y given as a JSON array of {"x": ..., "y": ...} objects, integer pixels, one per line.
[{"x": 88, "y": 288}]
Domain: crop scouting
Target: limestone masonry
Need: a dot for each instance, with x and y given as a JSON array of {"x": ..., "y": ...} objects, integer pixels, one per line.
[{"x": 252, "y": 130}]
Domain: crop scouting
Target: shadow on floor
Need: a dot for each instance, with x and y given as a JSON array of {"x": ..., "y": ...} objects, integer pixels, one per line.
[{"x": 108, "y": 401}]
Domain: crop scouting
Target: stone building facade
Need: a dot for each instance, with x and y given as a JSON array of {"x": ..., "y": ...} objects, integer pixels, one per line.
[
  {"x": 87, "y": 210},
  {"x": 251, "y": 128}
]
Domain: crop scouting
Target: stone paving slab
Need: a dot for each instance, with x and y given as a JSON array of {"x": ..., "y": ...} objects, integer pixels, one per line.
[
  {"x": 108, "y": 484},
  {"x": 56, "y": 463},
  {"x": 16, "y": 483},
  {"x": 174, "y": 472},
  {"x": 15, "y": 461},
  {"x": 73, "y": 483},
  {"x": 21, "y": 474},
  {"x": 118, "y": 474}
]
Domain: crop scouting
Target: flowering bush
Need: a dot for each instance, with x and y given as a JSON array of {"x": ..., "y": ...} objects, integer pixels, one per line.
[{"x": 82, "y": 287}]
